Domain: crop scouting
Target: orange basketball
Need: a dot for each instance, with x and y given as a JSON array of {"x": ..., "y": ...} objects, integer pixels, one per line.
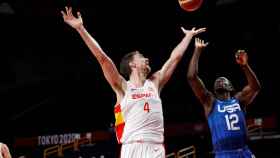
[{"x": 190, "y": 5}]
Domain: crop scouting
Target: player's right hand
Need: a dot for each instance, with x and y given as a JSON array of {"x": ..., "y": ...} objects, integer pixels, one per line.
[{"x": 70, "y": 19}]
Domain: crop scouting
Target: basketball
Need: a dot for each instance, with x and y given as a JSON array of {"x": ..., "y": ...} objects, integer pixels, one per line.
[{"x": 190, "y": 5}]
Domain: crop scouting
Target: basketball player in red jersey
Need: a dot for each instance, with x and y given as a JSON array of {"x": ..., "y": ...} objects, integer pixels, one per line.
[{"x": 138, "y": 111}]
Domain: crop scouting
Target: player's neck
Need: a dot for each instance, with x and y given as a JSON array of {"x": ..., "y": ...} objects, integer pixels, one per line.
[
  {"x": 223, "y": 96},
  {"x": 137, "y": 78}
]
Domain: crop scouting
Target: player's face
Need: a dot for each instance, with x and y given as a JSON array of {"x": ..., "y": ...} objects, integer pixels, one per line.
[
  {"x": 222, "y": 84},
  {"x": 142, "y": 63},
  {"x": 222, "y": 87}
]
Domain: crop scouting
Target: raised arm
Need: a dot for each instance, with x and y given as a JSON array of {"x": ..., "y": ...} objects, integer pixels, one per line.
[
  {"x": 249, "y": 92},
  {"x": 204, "y": 96},
  {"x": 164, "y": 74},
  {"x": 110, "y": 71}
]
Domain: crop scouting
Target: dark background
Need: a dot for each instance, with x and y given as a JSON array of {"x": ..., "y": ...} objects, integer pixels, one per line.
[{"x": 50, "y": 81}]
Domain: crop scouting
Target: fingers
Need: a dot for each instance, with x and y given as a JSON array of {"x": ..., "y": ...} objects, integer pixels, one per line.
[
  {"x": 63, "y": 13},
  {"x": 196, "y": 40},
  {"x": 241, "y": 57},
  {"x": 79, "y": 15},
  {"x": 201, "y": 43},
  {"x": 201, "y": 30},
  {"x": 194, "y": 31},
  {"x": 67, "y": 10},
  {"x": 237, "y": 54},
  {"x": 70, "y": 11},
  {"x": 240, "y": 52}
]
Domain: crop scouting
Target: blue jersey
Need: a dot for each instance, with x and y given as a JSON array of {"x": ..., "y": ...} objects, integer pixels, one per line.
[{"x": 227, "y": 125}]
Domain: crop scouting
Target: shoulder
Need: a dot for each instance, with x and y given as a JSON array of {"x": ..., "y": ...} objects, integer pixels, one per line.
[
  {"x": 154, "y": 78},
  {"x": 211, "y": 105},
  {"x": 152, "y": 83},
  {"x": 240, "y": 103},
  {"x": 236, "y": 100}
]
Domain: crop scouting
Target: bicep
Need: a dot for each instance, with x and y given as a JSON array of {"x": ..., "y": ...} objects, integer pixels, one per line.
[
  {"x": 112, "y": 75},
  {"x": 165, "y": 73},
  {"x": 247, "y": 95}
]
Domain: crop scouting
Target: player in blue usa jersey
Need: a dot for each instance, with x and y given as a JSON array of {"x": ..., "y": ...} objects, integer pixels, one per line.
[{"x": 224, "y": 110}]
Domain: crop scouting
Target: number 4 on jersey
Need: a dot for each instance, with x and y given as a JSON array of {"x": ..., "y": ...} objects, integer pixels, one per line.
[{"x": 146, "y": 107}]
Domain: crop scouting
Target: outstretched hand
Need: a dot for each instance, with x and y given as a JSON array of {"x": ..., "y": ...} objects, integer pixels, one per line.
[
  {"x": 193, "y": 31},
  {"x": 241, "y": 57},
  {"x": 199, "y": 43},
  {"x": 70, "y": 19}
]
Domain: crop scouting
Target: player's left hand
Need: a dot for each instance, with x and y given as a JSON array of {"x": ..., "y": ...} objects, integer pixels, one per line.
[
  {"x": 193, "y": 31},
  {"x": 241, "y": 57}
]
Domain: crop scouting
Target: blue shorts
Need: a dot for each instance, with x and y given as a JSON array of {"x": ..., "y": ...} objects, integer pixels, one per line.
[{"x": 237, "y": 153}]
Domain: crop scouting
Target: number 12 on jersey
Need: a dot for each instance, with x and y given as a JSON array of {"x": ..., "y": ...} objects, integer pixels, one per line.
[
  {"x": 146, "y": 107},
  {"x": 232, "y": 121}
]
